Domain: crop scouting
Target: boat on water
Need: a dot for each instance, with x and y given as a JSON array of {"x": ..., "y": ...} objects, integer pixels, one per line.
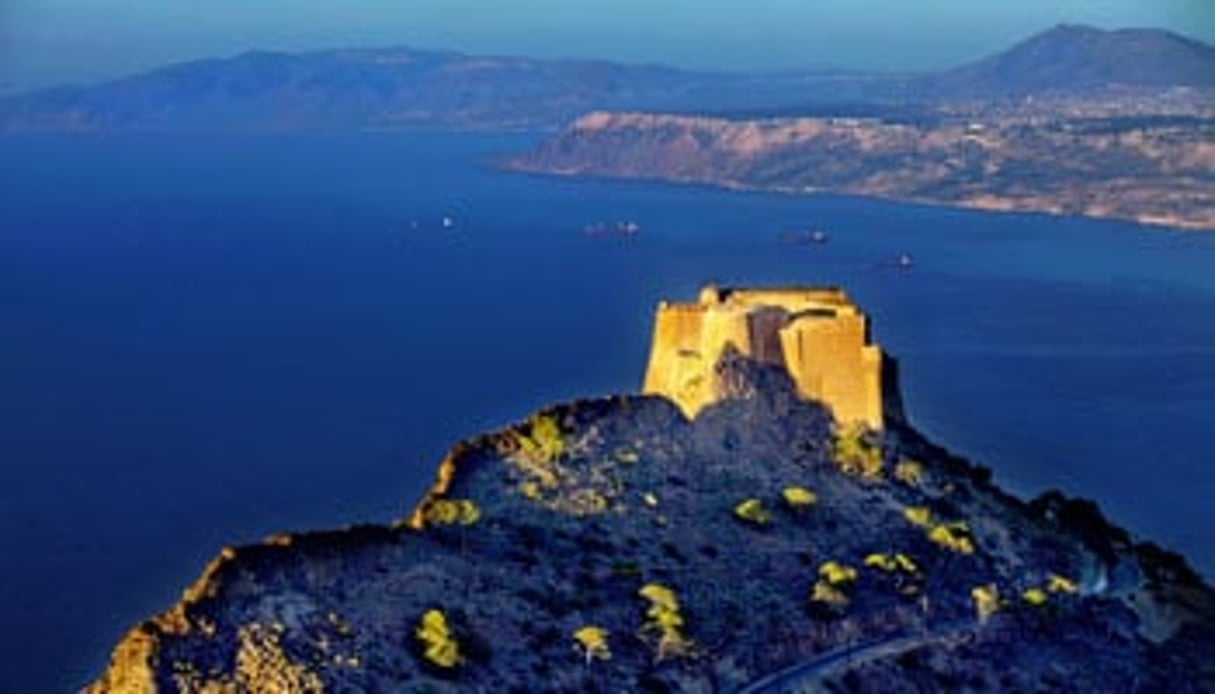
[
  {"x": 904, "y": 261},
  {"x": 804, "y": 238},
  {"x": 599, "y": 229}
]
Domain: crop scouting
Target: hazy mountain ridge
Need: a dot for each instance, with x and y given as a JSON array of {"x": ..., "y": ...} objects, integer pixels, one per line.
[
  {"x": 1075, "y": 60},
  {"x": 384, "y": 88},
  {"x": 398, "y": 87}
]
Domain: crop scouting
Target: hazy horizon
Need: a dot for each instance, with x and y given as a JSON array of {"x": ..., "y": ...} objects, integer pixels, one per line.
[{"x": 48, "y": 42}]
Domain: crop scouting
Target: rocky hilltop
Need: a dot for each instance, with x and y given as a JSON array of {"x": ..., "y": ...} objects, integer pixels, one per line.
[
  {"x": 616, "y": 545},
  {"x": 1154, "y": 170}
]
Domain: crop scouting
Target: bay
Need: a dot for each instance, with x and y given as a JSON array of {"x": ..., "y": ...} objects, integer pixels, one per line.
[{"x": 205, "y": 340}]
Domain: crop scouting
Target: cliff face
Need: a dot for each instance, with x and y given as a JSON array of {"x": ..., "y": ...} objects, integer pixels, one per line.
[
  {"x": 1156, "y": 171},
  {"x": 614, "y": 545}
]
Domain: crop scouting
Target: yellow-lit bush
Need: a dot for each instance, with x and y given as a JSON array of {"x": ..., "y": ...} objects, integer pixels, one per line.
[
  {"x": 531, "y": 490},
  {"x": 544, "y": 440},
  {"x": 536, "y": 450},
  {"x": 1034, "y": 596},
  {"x": 798, "y": 498},
  {"x": 830, "y": 589},
  {"x": 664, "y": 621},
  {"x": 918, "y": 515},
  {"x": 855, "y": 455},
  {"x": 591, "y": 641},
  {"x": 953, "y": 536},
  {"x": 909, "y": 472},
  {"x": 824, "y": 593},
  {"x": 986, "y": 600},
  {"x": 584, "y": 502},
  {"x": 452, "y": 512},
  {"x": 892, "y": 563},
  {"x": 439, "y": 647},
  {"x": 836, "y": 573},
  {"x": 752, "y": 511},
  {"x": 1055, "y": 583},
  {"x": 1060, "y": 584}
]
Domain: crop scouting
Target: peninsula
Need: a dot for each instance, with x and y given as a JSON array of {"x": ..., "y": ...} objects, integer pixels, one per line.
[
  {"x": 1073, "y": 121},
  {"x": 783, "y": 536},
  {"x": 1156, "y": 170}
]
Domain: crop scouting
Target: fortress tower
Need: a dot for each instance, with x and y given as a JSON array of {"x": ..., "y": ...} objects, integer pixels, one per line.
[{"x": 817, "y": 334}]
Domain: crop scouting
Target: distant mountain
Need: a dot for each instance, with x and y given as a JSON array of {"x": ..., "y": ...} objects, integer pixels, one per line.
[
  {"x": 387, "y": 88},
  {"x": 1078, "y": 59},
  {"x": 399, "y": 87}
]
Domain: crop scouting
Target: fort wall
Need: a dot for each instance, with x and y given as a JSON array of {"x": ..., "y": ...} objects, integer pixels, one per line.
[{"x": 817, "y": 334}]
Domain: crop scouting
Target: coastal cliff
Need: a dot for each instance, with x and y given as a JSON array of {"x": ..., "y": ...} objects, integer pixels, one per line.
[
  {"x": 1150, "y": 170},
  {"x": 616, "y": 545}
]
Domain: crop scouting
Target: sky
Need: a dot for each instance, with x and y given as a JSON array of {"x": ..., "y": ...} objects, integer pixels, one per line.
[{"x": 52, "y": 41}]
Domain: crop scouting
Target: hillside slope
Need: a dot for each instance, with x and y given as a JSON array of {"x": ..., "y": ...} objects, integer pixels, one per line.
[{"x": 612, "y": 545}]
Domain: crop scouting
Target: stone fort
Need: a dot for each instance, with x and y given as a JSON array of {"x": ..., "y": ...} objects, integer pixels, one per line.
[{"x": 816, "y": 334}]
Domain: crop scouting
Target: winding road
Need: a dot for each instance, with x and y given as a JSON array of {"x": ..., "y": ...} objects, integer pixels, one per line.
[{"x": 806, "y": 675}]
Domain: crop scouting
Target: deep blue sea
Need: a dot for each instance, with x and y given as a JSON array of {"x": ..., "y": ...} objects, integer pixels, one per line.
[{"x": 205, "y": 340}]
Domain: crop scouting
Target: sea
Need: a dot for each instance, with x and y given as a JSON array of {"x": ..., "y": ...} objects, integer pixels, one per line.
[{"x": 206, "y": 339}]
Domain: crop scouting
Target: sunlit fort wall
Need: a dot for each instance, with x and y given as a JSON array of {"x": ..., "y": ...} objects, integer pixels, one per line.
[{"x": 816, "y": 334}]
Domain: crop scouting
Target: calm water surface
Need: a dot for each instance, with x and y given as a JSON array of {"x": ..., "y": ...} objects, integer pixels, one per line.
[{"x": 206, "y": 340}]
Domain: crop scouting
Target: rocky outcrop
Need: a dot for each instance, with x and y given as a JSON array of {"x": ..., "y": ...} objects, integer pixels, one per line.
[
  {"x": 615, "y": 545},
  {"x": 1153, "y": 171}
]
